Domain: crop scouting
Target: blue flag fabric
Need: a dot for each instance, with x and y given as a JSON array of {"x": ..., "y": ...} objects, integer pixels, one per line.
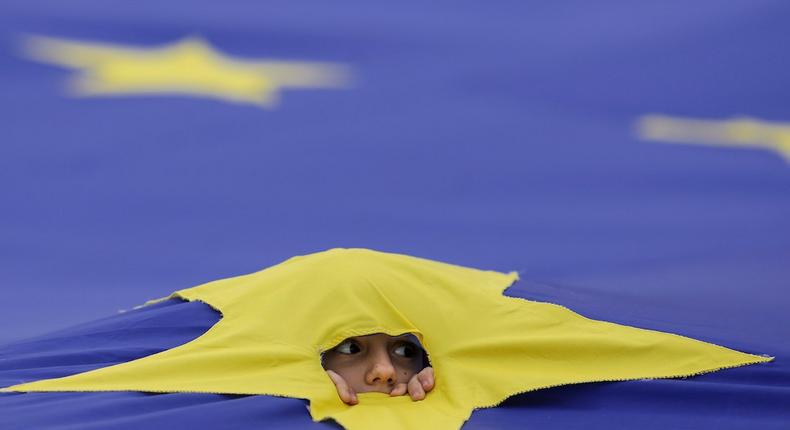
[{"x": 631, "y": 160}]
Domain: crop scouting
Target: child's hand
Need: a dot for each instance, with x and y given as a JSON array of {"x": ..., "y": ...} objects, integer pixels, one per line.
[
  {"x": 347, "y": 395},
  {"x": 418, "y": 385}
]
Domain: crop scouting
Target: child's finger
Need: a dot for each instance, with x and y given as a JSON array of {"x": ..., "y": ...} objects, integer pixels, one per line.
[
  {"x": 415, "y": 389},
  {"x": 399, "y": 390},
  {"x": 345, "y": 392},
  {"x": 426, "y": 378}
]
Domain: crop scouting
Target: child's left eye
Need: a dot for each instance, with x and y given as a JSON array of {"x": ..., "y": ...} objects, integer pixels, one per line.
[{"x": 405, "y": 350}]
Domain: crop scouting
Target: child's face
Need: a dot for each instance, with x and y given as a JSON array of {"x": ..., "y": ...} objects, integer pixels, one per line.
[{"x": 375, "y": 362}]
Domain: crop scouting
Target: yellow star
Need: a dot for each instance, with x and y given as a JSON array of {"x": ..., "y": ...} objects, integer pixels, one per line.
[
  {"x": 189, "y": 67},
  {"x": 484, "y": 346},
  {"x": 738, "y": 132}
]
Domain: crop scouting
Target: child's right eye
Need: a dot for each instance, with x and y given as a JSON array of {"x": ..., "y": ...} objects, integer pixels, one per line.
[{"x": 348, "y": 347}]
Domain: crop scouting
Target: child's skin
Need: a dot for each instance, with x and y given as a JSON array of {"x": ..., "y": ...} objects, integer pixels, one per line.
[{"x": 378, "y": 362}]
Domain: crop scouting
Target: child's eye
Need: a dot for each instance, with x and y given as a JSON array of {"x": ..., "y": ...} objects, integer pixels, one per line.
[
  {"x": 348, "y": 347},
  {"x": 406, "y": 350}
]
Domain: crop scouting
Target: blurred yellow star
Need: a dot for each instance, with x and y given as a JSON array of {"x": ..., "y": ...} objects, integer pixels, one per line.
[
  {"x": 189, "y": 67},
  {"x": 737, "y": 132}
]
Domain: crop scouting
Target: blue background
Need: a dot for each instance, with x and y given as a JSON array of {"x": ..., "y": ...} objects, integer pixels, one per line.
[{"x": 498, "y": 136}]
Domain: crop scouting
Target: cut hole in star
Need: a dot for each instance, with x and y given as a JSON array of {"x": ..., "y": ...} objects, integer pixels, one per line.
[{"x": 375, "y": 363}]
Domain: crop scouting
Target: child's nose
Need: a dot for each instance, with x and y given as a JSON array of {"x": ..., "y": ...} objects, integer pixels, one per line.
[{"x": 381, "y": 372}]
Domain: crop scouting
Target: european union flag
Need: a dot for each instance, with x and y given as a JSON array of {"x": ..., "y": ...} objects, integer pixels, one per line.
[{"x": 630, "y": 160}]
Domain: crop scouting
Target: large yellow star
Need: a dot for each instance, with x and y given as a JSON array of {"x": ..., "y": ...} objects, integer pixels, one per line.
[
  {"x": 189, "y": 67},
  {"x": 484, "y": 346},
  {"x": 737, "y": 132}
]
